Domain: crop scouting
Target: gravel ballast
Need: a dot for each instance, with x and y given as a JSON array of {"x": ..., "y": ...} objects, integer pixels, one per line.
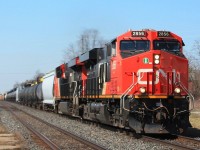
[
  {"x": 13, "y": 126},
  {"x": 111, "y": 140}
]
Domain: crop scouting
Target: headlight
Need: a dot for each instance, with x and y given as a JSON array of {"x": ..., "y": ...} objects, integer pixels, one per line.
[
  {"x": 177, "y": 90},
  {"x": 142, "y": 90},
  {"x": 156, "y": 61},
  {"x": 157, "y": 56}
]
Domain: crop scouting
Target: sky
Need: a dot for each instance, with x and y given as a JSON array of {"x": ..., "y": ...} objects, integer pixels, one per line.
[{"x": 35, "y": 33}]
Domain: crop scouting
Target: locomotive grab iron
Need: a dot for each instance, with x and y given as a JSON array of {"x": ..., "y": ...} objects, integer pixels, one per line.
[{"x": 139, "y": 80}]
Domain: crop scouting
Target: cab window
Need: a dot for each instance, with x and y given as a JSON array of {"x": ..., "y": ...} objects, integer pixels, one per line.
[
  {"x": 129, "y": 48},
  {"x": 168, "y": 45},
  {"x": 134, "y": 45}
]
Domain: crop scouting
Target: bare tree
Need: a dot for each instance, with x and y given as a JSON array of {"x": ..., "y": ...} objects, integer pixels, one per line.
[
  {"x": 101, "y": 42},
  {"x": 27, "y": 83},
  {"x": 194, "y": 79},
  {"x": 194, "y": 69},
  {"x": 90, "y": 39},
  {"x": 196, "y": 47},
  {"x": 87, "y": 40},
  {"x": 37, "y": 76},
  {"x": 17, "y": 84},
  {"x": 70, "y": 53}
]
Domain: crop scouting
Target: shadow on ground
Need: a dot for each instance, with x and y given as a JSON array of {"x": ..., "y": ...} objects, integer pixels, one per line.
[{"x": 192, "y": 132}]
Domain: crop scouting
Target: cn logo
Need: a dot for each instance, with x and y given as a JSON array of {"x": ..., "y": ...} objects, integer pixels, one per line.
[{"x": 142, "y": 72}]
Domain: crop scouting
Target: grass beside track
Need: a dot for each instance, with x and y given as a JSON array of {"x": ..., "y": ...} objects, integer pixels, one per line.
[
  {"x": 195, "y": 115},
  {"x": 195, "y": 120}
]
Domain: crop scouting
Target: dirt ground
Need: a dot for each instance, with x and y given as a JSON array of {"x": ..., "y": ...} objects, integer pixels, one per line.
[
  {"x": 9, "y": 141},
  {"x": 195, "y": 115}
]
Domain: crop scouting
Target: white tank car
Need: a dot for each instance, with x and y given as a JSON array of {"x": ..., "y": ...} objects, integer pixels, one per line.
[
  {"x": 17, "y": 94},
  {"x": 47, "y": 90},
  {"x": 12, "y": 95}
]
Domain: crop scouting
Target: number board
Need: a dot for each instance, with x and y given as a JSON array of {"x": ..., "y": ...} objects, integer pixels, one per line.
[
  {"x": 138, "y": 33},
  {"x": 163, "y": 34}
]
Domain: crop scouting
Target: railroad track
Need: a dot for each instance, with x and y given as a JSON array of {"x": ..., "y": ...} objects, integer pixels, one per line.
[
  {"x": 191, "y": 142},
  {"x": 48, "y": 142},
  {"x": 179, "y": 142}
]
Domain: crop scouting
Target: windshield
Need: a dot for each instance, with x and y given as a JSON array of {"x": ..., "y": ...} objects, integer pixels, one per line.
[
  {"x": 134, "y": 45},
  {"x": 168, "y": 45}
]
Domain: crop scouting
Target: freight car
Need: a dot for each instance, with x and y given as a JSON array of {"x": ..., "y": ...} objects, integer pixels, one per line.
[
  {"x": 31, "y": 95},
  {"x": 12, "y": 95},
  {"x": 47, "y": 90},
  {"x": 138, "y": 81},
  {"x": 38, "y": 95}
]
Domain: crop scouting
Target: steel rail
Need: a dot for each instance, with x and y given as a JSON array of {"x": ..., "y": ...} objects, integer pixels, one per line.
[
  {"x": 192, "y": 140},
  {"x": 48, "y": 142},
  {"x": 175, "y": 145},
  {"x": 188, "y": 138},
  {"x": 95, "y": 146},
  {"x": 68, "y": 133}
]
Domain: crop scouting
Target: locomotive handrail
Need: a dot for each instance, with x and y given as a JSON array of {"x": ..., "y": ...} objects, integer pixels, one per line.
[
  {"x": 75, "y": 89},
  {"x": 74, "y": 97},
  {"x": 122, "y": 98},
  {"x": 189, "y": 94},
  {"x": 191, "y": 97},
  {"x": 100, "y": 64},
  {"x": 187, "y": 91}
]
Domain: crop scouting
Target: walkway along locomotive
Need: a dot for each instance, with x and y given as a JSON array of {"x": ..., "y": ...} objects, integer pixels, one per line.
[{"x": 139, "y": 80}]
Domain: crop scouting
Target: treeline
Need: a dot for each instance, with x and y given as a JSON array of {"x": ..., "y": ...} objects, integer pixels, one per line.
[
  {"x": 36, "y": 78},
  {"x": 87, "y": 40},
  {"x": 194, "y": 69}
]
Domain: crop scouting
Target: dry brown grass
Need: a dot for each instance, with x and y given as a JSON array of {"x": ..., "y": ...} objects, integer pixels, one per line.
[
  {"x": 197, "y": 103},
  {"x": 195, "y": 117},
  {"x": 195, "y": 120}
]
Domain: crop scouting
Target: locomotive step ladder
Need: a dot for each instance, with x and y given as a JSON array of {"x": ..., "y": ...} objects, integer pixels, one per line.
[{"x": 122, "y": 98}]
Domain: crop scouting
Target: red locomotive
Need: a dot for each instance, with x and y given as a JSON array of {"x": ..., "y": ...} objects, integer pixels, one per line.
[{"x": 139, "y": 80}]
